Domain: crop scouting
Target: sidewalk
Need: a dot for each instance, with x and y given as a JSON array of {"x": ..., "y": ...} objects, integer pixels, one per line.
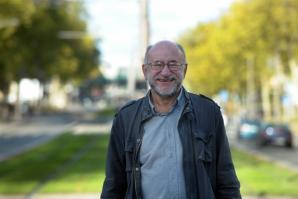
[
  {"x": 97, "y": 196},
  {"x": 53, "y": 196}
]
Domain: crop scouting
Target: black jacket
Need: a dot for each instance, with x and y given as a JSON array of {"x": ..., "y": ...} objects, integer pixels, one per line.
[{"x": 207, "y": 164}]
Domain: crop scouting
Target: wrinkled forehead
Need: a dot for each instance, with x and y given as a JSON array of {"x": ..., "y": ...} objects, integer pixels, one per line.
[{"x": 165, "y": 51}]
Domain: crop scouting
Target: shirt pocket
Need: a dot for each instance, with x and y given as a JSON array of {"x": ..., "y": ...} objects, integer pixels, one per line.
[{"x": 202, "y": 142}]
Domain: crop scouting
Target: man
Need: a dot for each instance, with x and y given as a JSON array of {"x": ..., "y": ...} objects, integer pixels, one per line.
[{"x": 169, "y": 144}]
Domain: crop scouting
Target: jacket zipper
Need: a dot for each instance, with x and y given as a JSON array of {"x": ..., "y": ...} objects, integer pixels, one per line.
[{"x": 137, "y": 169}]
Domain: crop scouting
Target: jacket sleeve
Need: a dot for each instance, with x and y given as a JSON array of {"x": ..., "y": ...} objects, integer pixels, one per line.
[
  {"x": 114, "y": 186},
  {"x": 227, "y": 184}
]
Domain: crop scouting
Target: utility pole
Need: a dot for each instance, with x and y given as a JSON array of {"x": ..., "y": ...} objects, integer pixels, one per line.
[
  {"x": 144, "y": 24},
  {"x": 144, "y": 37}
]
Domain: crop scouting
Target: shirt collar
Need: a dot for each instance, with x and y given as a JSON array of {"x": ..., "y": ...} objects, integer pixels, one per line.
[{"x": 179, "y": 101}]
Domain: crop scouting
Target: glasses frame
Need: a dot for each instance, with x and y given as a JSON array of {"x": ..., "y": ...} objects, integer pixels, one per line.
[{"x": 159, "y": 66}]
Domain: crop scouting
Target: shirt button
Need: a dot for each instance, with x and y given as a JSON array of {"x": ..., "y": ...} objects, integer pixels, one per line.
[{"x": 137, "y": 169}]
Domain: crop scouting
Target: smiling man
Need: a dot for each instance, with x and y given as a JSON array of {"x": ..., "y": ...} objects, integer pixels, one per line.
[{"x": 170, "y": 144}]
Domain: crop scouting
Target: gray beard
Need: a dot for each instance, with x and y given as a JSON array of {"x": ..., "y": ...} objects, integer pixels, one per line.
[{"x": 165, "y": 95}]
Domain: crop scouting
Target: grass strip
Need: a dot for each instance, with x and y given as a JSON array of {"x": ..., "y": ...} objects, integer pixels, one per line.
[
  {"x": 259, "y": 177},
  {"x": 23, "y": 173},
  {"x": 84, "y": 173}
]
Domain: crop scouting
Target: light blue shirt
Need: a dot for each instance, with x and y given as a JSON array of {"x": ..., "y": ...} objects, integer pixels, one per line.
[{"x": 161, "y": 155}]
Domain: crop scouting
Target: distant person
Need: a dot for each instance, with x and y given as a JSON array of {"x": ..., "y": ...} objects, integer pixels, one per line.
[{"x": 171, "y": 143}]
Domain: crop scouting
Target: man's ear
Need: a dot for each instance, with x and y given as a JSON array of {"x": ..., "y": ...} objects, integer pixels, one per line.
[
  {"x": 144, "y": 71},
  {"x": 185, "y": 69}
]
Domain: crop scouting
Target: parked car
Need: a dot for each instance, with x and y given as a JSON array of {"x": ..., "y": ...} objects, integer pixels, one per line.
[
  {"x": 248, "y": 129},
  {"x": 276, "y": 134}
]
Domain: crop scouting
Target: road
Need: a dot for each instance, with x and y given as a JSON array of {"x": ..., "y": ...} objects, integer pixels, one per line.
[
  {"x": 278, "y": 154},
  {"x": 19, "y": 136}
]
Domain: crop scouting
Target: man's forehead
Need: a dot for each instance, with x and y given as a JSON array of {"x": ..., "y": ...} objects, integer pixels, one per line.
[
  {"x": 165, "y": 45},
  {"x": 164, "y": 48}
]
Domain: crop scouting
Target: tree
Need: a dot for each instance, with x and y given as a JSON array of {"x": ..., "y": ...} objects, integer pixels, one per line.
[
  {"x": 247, "y": 36},
  {"x": 12, "y": 13},
  {"x": 35, "y": 49}
]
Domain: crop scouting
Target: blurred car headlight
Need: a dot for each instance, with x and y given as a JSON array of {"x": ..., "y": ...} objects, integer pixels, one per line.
[{"x": 269, "y": 131}]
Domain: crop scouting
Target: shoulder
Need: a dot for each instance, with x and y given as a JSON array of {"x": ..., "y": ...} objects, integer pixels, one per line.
[
  {"x": 209, "y": 99},
  {"x": 130, "y": 106},
  {"x": 200, "y": 98}
]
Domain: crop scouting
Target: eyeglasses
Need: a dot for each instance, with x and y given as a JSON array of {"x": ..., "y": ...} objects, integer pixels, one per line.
[{"x": 159, "y": 65}]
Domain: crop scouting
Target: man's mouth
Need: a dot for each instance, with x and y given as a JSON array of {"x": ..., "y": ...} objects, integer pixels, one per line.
[{"x": 165, "y": 80}]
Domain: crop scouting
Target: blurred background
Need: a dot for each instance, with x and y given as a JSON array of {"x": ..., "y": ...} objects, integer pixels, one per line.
[{"x": 67, "y": 66}]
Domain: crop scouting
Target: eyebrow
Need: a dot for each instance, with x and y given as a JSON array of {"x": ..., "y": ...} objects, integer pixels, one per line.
[{"x": 173, "y": 60}]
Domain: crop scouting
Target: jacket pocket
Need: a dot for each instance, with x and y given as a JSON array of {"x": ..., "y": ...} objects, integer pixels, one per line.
[
  {"x": 202, "y": 142},
  {"x": 128, "y": 169},
  {"x": 128, "y": 158}
]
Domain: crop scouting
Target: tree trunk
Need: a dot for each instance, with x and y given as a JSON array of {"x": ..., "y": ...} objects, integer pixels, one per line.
[
  {"x": 251, "y": 90},
  {"x": 277, "y": 89},
  {"x": 294, "y": 80},
  {"x": 18, "y": 105},
  {"x": 266, "y": 100}
]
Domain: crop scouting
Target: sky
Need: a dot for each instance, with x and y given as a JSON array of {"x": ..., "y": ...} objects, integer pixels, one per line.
[{"x": 116, "y": 23}]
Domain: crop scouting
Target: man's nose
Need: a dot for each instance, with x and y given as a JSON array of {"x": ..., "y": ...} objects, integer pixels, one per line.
[{"x": 165, "y": 70}]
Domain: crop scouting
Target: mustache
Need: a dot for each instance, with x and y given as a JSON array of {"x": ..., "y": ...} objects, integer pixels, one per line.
[{"x": 170, "y": 78}]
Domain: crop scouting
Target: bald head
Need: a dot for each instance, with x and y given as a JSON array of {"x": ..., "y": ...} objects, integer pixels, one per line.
[
  {"x": 165, "y": 82},
  {"x": 165, "y": 46}
]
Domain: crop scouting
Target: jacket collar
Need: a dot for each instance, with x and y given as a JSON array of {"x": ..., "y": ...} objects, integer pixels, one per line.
[
  {"x": 188, "y": 105},
  {"x": 146, "y": 108}
]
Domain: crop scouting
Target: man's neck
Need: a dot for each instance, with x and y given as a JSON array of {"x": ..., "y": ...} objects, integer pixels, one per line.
[{"x": 163, "y": 104}]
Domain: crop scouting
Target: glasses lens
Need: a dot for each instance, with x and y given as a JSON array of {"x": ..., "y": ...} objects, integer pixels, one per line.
[
  {"x": 157, "y": 65},
  {"x": 173, "y": 65}
]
